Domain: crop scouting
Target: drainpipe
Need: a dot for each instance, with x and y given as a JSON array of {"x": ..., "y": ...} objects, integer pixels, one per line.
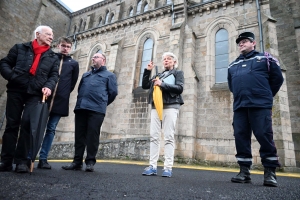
[
  {"x": 260, "y": 27},
  {"x": 173, "y": 14},
  {"x": 70, "y": 25}
]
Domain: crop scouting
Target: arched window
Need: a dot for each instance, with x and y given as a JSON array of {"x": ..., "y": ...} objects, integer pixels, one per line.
[
  {"x": 75, "y": 29},
  {"x": 146, "y": 7},
  {"x": 138, "y": 7},
  {"x": 100, "y": 21},
  {"x": 131, "y": 12},
  {"x": 146, "y": 57},
  {"x": 106, "y": 17},
  {"x": 221, "y": 55},
  {"x": 80, "y": 25},
  {"x": 83, "y": 27},
  {"x": 99, "y": 51},
  {"x": 112, "y": 18}
]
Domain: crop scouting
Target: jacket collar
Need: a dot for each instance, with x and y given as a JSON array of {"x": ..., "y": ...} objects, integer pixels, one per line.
[
  {"x": 102, "y": 68},
  {"x": 29, "y": 45},
  {"x": 248, "y": 55},
  {"x": 65, "y": 56}
]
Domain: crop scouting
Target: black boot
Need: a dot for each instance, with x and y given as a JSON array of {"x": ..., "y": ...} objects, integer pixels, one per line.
[
  {"x": 270, "y": 177},
  {"x": 43, "y": 164},
  {"x": 243, "y": 176}
]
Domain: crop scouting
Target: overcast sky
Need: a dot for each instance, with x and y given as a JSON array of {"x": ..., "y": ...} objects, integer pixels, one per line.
[{"x": 75, "y": 5}]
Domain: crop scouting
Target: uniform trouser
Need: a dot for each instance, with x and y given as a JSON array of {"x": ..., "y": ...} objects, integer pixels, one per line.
[
  {"x": 168, "y": 126},
  {"x": 258, "y": 120},
  {"x": 16, "y": 148},
  {"x": 87, "y": 133}
]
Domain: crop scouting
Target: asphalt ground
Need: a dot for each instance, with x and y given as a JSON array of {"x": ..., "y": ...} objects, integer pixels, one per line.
[{"x": 114, "y": 179}]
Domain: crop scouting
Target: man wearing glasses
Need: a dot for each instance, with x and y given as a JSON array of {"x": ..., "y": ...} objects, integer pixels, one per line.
[
  {"x": 97, "y": 89},
  {"x": 59, "y": 102},
  {"x": 254, "y": 79}
]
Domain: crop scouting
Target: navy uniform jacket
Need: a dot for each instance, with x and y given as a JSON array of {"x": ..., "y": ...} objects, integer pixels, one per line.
[
  {"x": 252, "y": 82},
  {"x": 96, "y": 90}
]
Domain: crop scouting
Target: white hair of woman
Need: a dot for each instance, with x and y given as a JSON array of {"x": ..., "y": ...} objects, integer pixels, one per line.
[{"x": 173, "y": 56}]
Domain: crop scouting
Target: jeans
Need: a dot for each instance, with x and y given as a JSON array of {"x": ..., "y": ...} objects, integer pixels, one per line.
[
  {"x": 168, "y": 124},
  {"x": 49, "y": 136}
]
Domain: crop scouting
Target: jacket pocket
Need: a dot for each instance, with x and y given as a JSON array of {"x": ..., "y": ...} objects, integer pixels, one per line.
[
  {"x": 98, "y": 80},
  {"x": 19, "y": 76}
]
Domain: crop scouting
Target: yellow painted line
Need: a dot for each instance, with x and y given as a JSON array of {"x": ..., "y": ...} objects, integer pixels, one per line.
[{"x": 183, "y": 166}]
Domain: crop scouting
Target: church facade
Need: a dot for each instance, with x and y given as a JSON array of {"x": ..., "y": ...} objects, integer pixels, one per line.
[{"x": 202, "y": 34}]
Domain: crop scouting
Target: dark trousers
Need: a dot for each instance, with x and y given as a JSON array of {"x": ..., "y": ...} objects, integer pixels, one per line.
[
  {"x": 258, "y": 120},
  {"x": 14, "y": 147},
  {"x": 87, "y": 133}
]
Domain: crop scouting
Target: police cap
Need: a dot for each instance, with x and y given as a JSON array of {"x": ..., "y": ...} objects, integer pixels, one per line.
[{"x": 246, "y": 35}]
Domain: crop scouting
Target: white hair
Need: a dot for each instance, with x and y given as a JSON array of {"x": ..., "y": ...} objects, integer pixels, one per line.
[
  {"x": 173, "y": 56},
  {"x": 39, "y": 29}
]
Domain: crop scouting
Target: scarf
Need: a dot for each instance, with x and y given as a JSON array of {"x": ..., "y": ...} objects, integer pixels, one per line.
[{"x": 38, "y": 50}]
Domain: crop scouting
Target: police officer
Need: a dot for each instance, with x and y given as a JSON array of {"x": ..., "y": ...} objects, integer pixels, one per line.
[{"x": 254, "y": 79}]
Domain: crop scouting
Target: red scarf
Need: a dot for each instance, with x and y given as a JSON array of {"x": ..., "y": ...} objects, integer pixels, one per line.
[{"x": 38, "y": 50}]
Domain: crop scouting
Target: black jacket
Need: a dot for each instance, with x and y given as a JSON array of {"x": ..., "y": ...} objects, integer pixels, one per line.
[
  {"x": 252, "y": 82},
  {"x": 67, "y": 81},
  {"x": 171, "y": 92},
  {"x": 16, "y": 65},
  {"x": 96, "y": 90}
]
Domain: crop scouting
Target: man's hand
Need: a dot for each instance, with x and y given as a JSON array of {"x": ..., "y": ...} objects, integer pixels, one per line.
[
  {"x": 46, "y": 91},
  {"x": 150, "y": 66}
]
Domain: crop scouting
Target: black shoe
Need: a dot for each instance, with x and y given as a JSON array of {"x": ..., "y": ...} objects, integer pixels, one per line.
[
  {"x": 43, "y": 164},
  {"x": 270, "y": 177},
  {"x": 89, "y": 168},
  {"x": 21, "y": 168},
  {"x": 72, "y": 166},
  {"x": 5, "y": 167},
  {"x": 243, "y": 176}
]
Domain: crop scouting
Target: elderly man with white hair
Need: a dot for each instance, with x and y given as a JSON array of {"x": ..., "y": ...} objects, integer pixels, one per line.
[
  {"x": 31, "y": 70},
  {"x": 171, "y": 82}
]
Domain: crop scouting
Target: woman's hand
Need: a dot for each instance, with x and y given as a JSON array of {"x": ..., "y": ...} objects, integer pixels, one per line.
[
  {"x": 150, "y": 66},
  {"x": 156, "y": 82}
]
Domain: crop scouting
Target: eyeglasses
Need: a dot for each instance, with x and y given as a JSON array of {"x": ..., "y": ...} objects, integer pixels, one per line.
[
  {"x": 65, "y": 46},
  {"x": 95, "y": 57}
]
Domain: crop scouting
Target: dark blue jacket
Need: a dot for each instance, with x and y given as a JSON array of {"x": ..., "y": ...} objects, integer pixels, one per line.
[
  {"x": 67, "y": 81},
  {"x": 96, "y": 90},
  {"x": 252, "y": 82}
]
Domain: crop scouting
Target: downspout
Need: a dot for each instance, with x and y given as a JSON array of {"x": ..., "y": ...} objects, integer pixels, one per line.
[
  {"x": 70, "y": 25},
  {"x": 260, "y": 27},
  {"x": 173, "y": 14}
]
